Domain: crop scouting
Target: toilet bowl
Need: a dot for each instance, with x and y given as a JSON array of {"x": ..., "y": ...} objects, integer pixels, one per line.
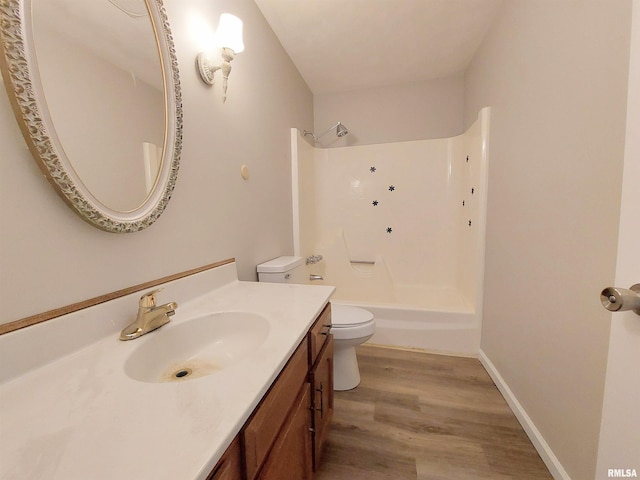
[{"x": 351, "y": 326}]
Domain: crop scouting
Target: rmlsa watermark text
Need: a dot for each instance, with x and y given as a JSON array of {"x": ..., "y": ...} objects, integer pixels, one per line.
[{"x": 622, "y": 473}]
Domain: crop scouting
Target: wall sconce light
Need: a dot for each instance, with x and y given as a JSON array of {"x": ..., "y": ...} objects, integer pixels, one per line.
[{"x": 229, "y": 38}]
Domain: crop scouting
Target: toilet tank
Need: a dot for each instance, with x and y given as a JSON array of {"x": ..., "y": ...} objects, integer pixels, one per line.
[{"x": 282, "y": 270}]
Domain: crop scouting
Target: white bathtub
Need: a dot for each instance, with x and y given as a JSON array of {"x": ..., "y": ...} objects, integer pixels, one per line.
[
  {"x": 442, "y": 330},
  {"x": 401, "y": 228}
]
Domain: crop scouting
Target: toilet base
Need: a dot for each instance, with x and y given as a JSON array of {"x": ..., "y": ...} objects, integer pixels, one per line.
[{"x": 346, "y": 375}]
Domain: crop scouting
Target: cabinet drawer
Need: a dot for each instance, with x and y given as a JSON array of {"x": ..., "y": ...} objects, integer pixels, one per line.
[
  {"x": 263, "y": 427},
  {"x": 319, "y": 333},
  {"x": 230, "y": 465}
]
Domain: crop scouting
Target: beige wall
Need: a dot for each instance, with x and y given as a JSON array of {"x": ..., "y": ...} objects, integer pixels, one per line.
[
  {"x": 49, "y": 257},
  {"x": 555, "y": 76},
  {"x": 413, "y": 111}
]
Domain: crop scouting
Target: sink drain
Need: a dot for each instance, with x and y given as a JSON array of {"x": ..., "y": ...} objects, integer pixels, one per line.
[
  {"x": 188, "y": 370},
  {"x": 183, "y": 372}
]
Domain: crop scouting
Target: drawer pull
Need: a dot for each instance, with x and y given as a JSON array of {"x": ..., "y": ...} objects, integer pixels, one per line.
[
  {"x": 328, "y": 327},
  {"x": 321, "y": 409}
]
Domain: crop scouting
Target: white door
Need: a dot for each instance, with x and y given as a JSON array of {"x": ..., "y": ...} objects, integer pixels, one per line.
[{"x": 619, "y": 450}]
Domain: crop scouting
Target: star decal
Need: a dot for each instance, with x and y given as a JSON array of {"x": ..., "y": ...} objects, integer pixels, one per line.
[
  {"x": 392, "y": 188},
  {"x": 389, "y": 229},
  {"x": 375, "y": 203},
  {"x": 372, "y": 169}
]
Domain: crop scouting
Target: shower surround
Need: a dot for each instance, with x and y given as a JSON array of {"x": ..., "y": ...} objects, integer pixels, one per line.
[{"x": 401, "y": 228}]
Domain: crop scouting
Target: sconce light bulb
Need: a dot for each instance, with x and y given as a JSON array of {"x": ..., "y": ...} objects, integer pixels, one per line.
[
  {"x": 229, "y": 38},
  {"x": 229, "y": 33}
]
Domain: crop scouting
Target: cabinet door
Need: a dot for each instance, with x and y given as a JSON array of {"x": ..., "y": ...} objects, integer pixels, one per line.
[
  {"x": 290, "y": 458},
  {"x": 230, "y": 465},
  {"x": 262, "y": 429},
  {"x": 322, "y": 395}
]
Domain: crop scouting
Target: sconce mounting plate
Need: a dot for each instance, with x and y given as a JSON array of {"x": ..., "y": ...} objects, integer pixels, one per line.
[{"x": 206, "y": 69}]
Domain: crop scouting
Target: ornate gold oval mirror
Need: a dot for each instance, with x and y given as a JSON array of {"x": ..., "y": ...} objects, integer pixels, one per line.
[{"x": 95, "y": 87}]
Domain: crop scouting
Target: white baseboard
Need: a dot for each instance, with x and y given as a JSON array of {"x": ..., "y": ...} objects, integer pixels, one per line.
[{"x": 545, "y": 452}]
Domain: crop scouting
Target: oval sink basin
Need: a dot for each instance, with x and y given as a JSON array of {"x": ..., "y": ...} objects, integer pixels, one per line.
[{"x": 196, "y": 348}]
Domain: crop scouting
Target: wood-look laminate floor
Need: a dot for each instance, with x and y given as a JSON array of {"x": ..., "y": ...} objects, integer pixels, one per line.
[{"x": 422, "y": 416}]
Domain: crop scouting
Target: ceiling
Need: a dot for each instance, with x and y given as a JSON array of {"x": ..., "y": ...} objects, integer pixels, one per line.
[{"x": 343, "y": 45}]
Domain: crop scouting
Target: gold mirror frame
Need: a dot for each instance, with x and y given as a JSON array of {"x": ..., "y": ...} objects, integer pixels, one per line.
[{"x": 22, "y": 83}]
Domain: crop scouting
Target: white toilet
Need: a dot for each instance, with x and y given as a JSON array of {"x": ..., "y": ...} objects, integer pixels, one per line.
[{"x": 351, "y": 326}]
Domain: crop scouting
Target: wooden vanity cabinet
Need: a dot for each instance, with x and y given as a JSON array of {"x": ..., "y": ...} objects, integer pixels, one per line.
[
  {"x": 290, "y": 457},
  {"x": 319, "y": 334},
  {"x": 284, "y": 436},
  {"x": 321, "y": 377},
  {"x": 269, "y": 419},
  {"x": 229, "y": 467}
]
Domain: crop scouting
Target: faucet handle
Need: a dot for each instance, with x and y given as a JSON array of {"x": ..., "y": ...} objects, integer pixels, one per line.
[{"x": 148, "y": 300}]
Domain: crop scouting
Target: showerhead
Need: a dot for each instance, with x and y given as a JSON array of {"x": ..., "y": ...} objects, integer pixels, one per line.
[{"x": 341, "y": 131}]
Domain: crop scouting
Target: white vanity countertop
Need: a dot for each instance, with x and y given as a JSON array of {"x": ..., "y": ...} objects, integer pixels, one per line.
[{"x": 78, "y": 415}]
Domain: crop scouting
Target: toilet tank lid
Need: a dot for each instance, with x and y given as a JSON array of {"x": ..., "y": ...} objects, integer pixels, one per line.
[{"x": 279, "y": 265}]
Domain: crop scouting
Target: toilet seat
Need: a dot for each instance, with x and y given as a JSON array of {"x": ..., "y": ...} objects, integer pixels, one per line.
[
  {"x": 351, "y": 322},
  {"x": 347, "y": 316}
]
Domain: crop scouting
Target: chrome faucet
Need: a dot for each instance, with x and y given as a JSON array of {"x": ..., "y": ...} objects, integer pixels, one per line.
[
  {"x": 311, "y": 259},
  {"x": 149, "y": 316}
]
